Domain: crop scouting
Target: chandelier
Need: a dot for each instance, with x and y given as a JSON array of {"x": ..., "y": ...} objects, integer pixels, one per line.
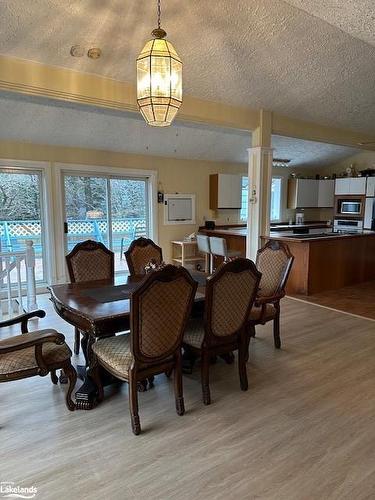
[{"x": 159, "y": 79}]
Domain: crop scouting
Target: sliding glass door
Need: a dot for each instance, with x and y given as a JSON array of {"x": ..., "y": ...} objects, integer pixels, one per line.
[
  {"x": 110, "y": 209},
  {"x": 21, "y": 216}
]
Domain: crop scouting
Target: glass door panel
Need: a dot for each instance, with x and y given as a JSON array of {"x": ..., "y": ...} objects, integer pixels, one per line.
[
  {"x": 110, "y": 209},
  {"x": 21, "y": 216},
  {"x": 129, "y": 215},
  {"x": 86, "y": 210}
]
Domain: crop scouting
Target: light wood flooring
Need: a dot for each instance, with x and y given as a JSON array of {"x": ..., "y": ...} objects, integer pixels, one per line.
[
  {"x": 304, "y": 430},
  {"x": 358, "y": 299}
]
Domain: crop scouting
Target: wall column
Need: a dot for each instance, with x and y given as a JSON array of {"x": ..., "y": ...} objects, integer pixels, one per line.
[{"x": 260, "y": 180}]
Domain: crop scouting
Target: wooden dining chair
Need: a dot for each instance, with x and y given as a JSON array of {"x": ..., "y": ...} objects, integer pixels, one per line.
[
  {"x": 274, "y": 261},
  {"x": 89, "y": 261},
  {"x": 36, "y": 353},
  {"x": 140, "y": 253},
  {"x": 230, "y": 294},
  {"x": 159, "y": 310}
]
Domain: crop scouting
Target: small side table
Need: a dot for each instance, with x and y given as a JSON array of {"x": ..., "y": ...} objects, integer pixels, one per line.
[{"x": 185, "y": 252}]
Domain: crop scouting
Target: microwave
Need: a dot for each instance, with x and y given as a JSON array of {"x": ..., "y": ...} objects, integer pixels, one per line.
[{"x": 350, "y": 207}]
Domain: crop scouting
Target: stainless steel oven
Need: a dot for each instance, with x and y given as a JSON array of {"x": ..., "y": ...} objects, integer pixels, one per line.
[{"x": 347, "y": 225}]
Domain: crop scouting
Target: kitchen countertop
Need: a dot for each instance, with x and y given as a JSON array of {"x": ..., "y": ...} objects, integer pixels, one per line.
[
  {"x": 241, "y": 231},
  {"x": 300, "y": 238}
]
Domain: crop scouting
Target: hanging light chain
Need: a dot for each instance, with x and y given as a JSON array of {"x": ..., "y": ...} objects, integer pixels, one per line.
[{"x": 159, "y": 14}]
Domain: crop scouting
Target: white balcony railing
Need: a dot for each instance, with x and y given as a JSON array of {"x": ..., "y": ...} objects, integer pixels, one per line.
[{"x": 17, "y": 278}]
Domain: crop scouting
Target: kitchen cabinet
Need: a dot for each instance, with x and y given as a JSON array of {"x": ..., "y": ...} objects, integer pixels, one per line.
[
  {"x": 369, "y": 213},
  {"x": 311, "y": 193},
  {"x": 225, "y": 191},
  {"x": 326, "y": 193},
  {"x": 370, "y": 190},
  {"x": 303, "y": 193},
  {"x": 350, "y": 185}
]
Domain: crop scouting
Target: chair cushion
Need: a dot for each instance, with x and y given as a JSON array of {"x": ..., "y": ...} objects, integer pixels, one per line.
[
  {"x": 256, "y": 313},
  {"x": 24, "y": 359},
  {"x": 194, "y": 333},
  {"x": 115, "y": 352}
]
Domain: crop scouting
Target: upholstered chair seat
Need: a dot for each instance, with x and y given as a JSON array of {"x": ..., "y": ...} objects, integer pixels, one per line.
[
  {"x": 116, "y": 353},
  {"x": 17, "y": 361},
  {"x": 266, "y": 313},
  {"x": 194, "y": 333},
  {"x": 37, "y": 353}
]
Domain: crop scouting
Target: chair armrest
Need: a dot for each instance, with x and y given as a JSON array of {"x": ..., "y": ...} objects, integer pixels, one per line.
[
  {"x": 30, "y": 339},
  {"x": 271, "y": 299},
  {"x": 23, "y": 319}
]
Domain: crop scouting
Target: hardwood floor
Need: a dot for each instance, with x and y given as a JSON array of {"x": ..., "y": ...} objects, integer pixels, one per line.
[
  {"x": 358, "y": 299},
  {"x": 304, "y": 429}
]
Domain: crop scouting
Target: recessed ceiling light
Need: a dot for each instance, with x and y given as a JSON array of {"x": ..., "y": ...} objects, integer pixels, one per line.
[
  {"x": 94, "y": 53},
  {"x": 77, "y": 51}
]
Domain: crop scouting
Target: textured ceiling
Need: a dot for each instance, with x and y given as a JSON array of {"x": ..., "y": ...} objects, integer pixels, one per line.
[
  {"x": 356, "y": 17},
  {"x": 255, "y": 53},
  {"x": 40, "y": 121}
]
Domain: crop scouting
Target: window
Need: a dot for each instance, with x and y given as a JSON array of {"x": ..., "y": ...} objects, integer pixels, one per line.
[
  {"x": 276, "y": 199},
  {"x": 244, "y": 198},
  {"x": 275, "y": 211}
]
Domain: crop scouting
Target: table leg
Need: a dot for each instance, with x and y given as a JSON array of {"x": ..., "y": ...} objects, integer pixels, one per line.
[{"x": 87, "y": 392}]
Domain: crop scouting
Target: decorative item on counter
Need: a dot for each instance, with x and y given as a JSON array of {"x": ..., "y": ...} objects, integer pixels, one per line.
[{"x": 300, "y": 218}]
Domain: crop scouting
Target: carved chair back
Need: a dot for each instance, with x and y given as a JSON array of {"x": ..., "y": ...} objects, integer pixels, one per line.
[
  {"x": 90, "y": 261},
  {"x": 140, "y": 252},
  {"x": 274, "y": 261},
  {"x": 230, "y": 294},
  {"x": 160, "y": 309}
]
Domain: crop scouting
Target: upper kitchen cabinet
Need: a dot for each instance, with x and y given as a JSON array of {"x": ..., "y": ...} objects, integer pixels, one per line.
[
  {"x": 326, "y": 193},
  {"x": 310, "y": 193},
  {"x": 225, "y": 191},
  {"x": 351, "y": 185},
  {"x": 370, "y": 190}
]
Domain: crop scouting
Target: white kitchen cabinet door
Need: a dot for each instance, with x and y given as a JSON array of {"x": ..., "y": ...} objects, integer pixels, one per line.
[
  {"x": 370, "y": 191},
  {"x": 369, "y": 212},
  {"x": 342, "y": 186},
  {"x": 307, "y": 193},
  {"x": 357, "y": 185},
  {"x": 326, "y": 193},
  {"x": 229, "y": 191}
]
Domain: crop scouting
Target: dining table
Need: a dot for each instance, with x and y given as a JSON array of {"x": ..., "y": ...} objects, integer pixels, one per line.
[{"x": 99, "y": 309}]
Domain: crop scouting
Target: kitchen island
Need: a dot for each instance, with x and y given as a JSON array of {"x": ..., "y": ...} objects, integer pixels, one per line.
[{"x": 328, "y": 261}]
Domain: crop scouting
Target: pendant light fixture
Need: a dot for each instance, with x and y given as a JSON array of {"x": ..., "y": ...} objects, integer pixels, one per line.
[{"x": 159, "y": 79}]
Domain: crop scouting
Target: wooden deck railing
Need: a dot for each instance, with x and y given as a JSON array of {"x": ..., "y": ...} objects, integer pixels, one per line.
[{"x": 17, "y": 277}]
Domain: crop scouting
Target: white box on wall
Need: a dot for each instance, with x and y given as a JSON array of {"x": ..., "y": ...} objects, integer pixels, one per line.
[{"x": 179, "y": 209}]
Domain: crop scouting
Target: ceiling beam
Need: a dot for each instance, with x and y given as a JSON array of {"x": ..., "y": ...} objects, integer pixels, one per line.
[
  {"x": 36, "y": 79},
  {"x": 290, "y": 127}
]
